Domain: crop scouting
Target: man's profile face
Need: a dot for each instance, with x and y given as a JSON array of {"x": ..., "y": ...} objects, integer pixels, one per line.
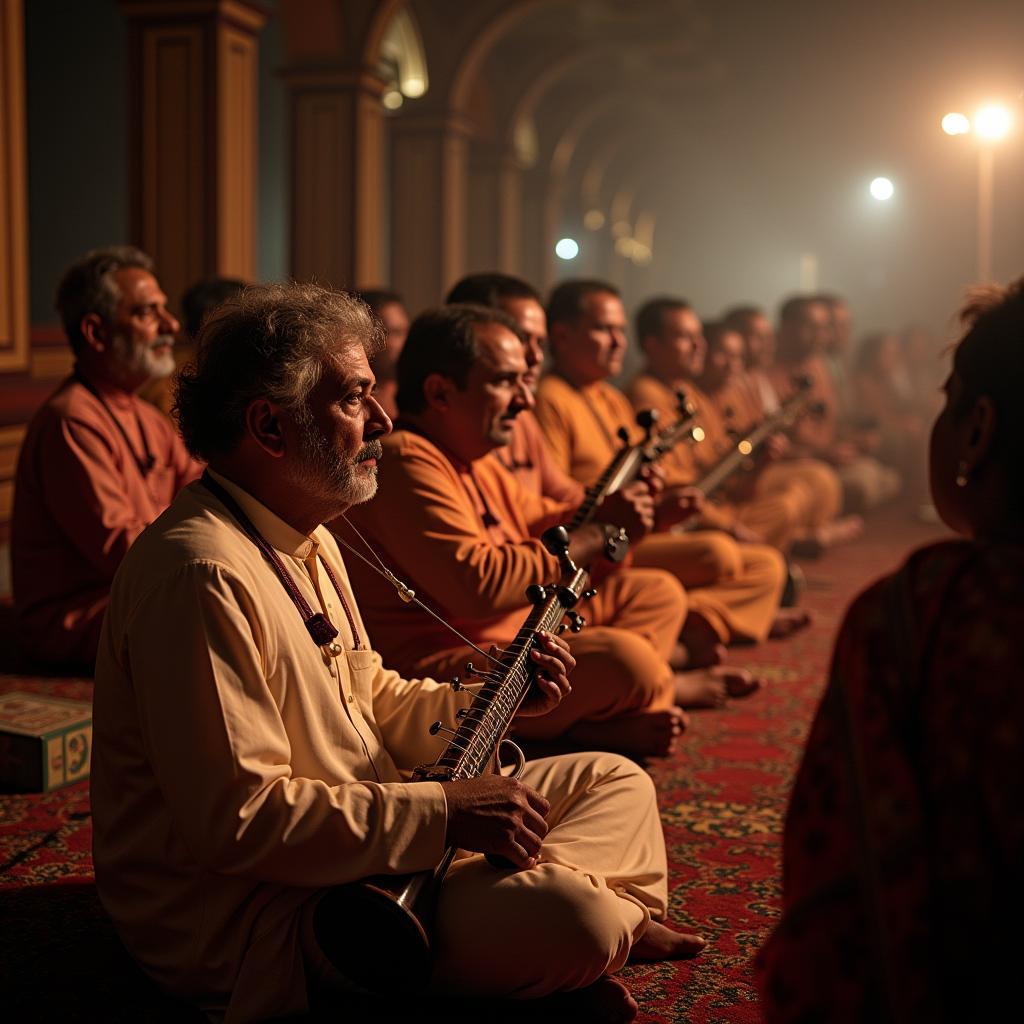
[
  {"x": 495, "y": 392},
  {"x": 592, "y": 347},
  {"x": 142, "y": 330},
  {"x": 529, "y": 315},
  {"x": 679, "y": 348},
  {"x": 338, "y": 432}
]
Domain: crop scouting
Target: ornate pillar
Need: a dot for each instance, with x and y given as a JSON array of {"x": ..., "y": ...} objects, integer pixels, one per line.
[
  {"x": 13, "y": 197},
  {"x": 193, "y": 91},
  {"x": 429, "y": 176},
  {"x": 337, "y": 176},
  {"x": 495, "y": 209}
]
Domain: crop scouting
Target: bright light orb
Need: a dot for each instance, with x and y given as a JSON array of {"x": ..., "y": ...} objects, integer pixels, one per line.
[
  {"x": 993, "y": 122},
  {"x": 567, "y": 249},
  {"x": 392, "y": 99},
  {"x": 956, "y": 124},
  {"x": 881, "y": 189}
]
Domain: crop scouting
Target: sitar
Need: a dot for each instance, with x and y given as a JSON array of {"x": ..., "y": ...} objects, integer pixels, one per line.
[
  {"x": 744, "y": 449},
  {"x": 630, "y": 459},
  {"x": 384, "y": 938}
]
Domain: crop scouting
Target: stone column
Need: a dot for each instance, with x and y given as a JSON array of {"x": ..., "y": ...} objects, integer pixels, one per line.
[
  {"x": 193, "y": 119},
  {"x": 495, "y": 209},
  {"x": 337, "y": 174},
  {"x": 429, "y": 181},
  {"x": 13, "y": 195}
]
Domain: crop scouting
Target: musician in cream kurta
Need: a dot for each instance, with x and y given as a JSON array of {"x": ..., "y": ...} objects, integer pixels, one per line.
[{"x": 241, "y": 768}]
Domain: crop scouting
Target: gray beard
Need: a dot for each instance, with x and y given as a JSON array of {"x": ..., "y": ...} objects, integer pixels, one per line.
[{"x": 322, "y": 473}]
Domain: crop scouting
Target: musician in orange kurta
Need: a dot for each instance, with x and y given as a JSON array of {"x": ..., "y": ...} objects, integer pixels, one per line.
[
  {"x": 738, "y": 584},
  {"x": 97, "y": 464},
  {"x": 459, "y": 529},
  {"x": 804, "y": 328},
  {"x": 782, "y": 502}
]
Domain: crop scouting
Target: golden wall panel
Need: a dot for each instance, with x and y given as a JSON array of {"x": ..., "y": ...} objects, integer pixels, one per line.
[{"x": 13, "y": 196}]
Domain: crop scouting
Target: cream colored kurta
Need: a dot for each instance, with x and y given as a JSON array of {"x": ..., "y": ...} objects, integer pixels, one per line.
[
  {"x": 236, "y": 767},
  {"x": 238, "y": 771}
]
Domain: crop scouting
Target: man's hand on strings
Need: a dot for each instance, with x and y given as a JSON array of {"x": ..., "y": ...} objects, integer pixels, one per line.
[{"x": 554, "y": 662}]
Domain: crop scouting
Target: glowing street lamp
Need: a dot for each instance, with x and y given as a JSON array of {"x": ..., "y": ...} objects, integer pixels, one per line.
[
  {"x": 882, "y": 189},
  {"x": 567, "y": 248},
  {"x": 991, "y": 123},
  {"x": 956, "y": 124}
]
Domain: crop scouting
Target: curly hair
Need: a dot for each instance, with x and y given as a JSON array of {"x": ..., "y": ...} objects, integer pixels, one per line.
[{"x": 267, "y": 341}]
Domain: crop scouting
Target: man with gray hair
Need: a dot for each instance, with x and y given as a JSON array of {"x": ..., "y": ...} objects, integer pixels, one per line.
[
  {"x": 97, "y": 464},
  {"x": 252, "y": 754}
]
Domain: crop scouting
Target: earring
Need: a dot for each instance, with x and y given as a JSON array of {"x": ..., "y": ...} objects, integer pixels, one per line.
[{"x": 961, "y": 474}]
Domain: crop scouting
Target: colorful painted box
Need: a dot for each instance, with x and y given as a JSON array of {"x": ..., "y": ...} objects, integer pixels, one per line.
[{"x": 45, "y": 742}]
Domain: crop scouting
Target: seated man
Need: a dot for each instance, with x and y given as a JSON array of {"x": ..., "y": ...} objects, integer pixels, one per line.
[
  {"x": 97, "y": 465},
  {"x": 454, "y": 523},
  {"x": 805, "y": 330},
  {"x": 246, "y": 766},
  {"x": 738, "y": 584},
  {"x": 784, "y": 504}
]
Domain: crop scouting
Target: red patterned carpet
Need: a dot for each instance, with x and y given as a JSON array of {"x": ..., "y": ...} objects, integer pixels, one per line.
[{"x": 723, "y": 799}]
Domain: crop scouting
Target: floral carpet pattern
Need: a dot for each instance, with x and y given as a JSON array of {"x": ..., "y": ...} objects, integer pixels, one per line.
[{"x": 723, "y": 798}]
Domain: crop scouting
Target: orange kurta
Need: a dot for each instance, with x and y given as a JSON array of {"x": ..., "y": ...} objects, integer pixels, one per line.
[
  {"x": 866, "y": 481},
  {"x": 532, "y": 464},
  {"x": 788, "y": 500},
  {"x": 735, "y": 587},
  {"x": 465, "y": 538},
  {"x": 80, "y": 500}
]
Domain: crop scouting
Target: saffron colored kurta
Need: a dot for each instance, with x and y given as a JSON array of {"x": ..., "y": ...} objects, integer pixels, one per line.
[
  {"x": 788, "y": 500},
  {"x": 904, "y": 841},
  {"x": 735, "y": 587},
  {"x": 80, "y": 500},
  {"x": 239, "y": 770},
  {"x": 465, "y": 537},
  {"x": 866, "y": 481}
]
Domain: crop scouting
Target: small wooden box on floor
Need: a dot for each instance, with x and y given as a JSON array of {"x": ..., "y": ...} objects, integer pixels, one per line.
[{"x": 45, "y": 742}]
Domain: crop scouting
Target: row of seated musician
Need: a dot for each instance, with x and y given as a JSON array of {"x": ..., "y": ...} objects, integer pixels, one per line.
[{"x": 282, "y": 775}]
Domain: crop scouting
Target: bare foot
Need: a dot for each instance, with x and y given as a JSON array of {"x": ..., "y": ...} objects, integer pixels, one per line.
[
  {"x": 711, "y": 687},
  {"x": 841, "y": 531},
  {"x": 607, "y": 1001},
  {"x": 789, "y": 621},
  {"x": 646, "y": 734},
  {"x": 659, "y": 942},
  {"x": 701, "y": 643}
]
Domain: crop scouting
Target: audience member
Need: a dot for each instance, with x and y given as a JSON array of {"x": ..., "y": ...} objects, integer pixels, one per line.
[
  {"x": 97, "y": 464},
  {"x": 902, "y": 893}
]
